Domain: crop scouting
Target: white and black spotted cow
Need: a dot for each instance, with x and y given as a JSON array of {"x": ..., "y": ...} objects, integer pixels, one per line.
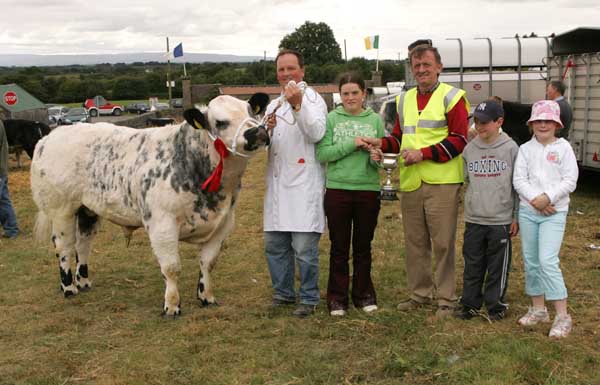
[{"x": 150, "y": 178}]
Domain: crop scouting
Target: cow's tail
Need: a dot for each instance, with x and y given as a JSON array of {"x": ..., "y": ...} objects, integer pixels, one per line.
[{"x": 42, "y": 229}]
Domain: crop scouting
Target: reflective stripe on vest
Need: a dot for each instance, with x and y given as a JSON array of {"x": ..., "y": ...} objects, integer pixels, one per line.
[{"x": 425, "y": 129}]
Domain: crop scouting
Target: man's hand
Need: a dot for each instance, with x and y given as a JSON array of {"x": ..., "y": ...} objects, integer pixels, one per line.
[
  {"x": 293, "y": 94},
  {"x": 271, "y": 122},
  {"x": 540, "y": 202},
  {"x": 411, "y": 156}
]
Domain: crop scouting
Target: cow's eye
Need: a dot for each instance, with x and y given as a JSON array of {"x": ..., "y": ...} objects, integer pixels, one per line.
[{"x": 222, "y": 124}]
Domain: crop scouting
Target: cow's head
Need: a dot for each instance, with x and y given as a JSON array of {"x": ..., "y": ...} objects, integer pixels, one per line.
[{"x": 232, "y": 120}]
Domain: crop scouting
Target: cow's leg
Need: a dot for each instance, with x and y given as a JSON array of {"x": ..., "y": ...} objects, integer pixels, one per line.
[
  {"x": 164, "y": 238},
  {"x": 63, "y": 237},
  {"x": 88, "y": 224},
  {"x": 18, "y": 158},
  {"x": 208, "y": 258}
]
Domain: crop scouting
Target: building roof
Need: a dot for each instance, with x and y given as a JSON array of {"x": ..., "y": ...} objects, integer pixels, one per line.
[
  {"x": 24, "y": 100},
  {"x": 272, "y": 89},
  {"x": 576, "y": 41}
]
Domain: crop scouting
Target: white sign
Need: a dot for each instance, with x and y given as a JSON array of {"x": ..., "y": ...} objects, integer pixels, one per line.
[{"x": 172, "y": 83}]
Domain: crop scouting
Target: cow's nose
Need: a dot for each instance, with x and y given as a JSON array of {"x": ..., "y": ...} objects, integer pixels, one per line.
[
  {"x": 255, "y": 137},
  {"x": 263, "y": 135}
]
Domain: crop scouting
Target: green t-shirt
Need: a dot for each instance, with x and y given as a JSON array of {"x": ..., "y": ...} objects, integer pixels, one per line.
[{"x": 349, "y": 168}]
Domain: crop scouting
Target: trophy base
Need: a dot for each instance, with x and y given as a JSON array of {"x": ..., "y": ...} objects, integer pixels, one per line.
[{"x": 389, "y": 195}]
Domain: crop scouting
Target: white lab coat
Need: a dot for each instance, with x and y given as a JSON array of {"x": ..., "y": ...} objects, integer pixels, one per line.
[{"x": 295, "y": 178}]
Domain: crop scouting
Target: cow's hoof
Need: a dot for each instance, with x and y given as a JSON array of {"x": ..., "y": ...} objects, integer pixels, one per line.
[
  {"x": 69, "y": 291},
  {"x": 171, "y": 315},
  {"x": 84, "y": 284},
  {"x": 84, "y": 287},
  {"x": 205, "y": 303}
]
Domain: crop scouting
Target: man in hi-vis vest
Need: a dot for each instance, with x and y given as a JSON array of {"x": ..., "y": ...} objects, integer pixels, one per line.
[{"x": 430, "y": 134}]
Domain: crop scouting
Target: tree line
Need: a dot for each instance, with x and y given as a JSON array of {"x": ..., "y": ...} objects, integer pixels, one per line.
[{"x": 75, "y": 83}]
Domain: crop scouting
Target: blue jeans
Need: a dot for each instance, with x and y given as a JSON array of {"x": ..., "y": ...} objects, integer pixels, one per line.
[
  {"x": 283, "y": 249},
  {"x": 8, "y": 219},
  {"x": 541, "y": 237}
]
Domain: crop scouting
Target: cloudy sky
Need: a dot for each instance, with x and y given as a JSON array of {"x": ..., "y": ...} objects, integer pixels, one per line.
[{"x": 249, "y": 27}]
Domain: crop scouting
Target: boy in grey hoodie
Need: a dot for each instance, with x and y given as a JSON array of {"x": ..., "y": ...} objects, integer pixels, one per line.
[{"x": 490, "y": 214}]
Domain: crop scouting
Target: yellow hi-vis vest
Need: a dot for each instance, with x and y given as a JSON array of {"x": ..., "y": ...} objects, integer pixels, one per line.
[{"x": 425, "y": 129}]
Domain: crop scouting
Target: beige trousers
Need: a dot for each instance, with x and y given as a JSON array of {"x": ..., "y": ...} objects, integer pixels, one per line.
[{"x": 429, "y": 215}]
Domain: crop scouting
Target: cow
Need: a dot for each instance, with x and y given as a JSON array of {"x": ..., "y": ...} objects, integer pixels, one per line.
[
  {"x": 516, "y": 116},
  {"x": 24, "y": 134},
  {"x": 179, "y": 182}
]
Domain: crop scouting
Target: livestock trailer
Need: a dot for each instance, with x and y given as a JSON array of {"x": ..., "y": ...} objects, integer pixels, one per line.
[
  {"x": 575, "y": 60},
  {"x": 512, "y": 68}
]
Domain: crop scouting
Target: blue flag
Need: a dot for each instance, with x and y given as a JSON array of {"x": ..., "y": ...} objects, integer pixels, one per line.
[{"x": 178, "y": 51}]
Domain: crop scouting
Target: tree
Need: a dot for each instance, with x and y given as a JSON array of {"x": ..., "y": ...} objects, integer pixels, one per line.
[{"x": 315, "y": 41}]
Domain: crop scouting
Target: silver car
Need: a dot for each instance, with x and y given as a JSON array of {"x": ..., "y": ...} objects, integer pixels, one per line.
[
  {"x": 56, "y": 114},
  {"x": 76, "y": 115}
]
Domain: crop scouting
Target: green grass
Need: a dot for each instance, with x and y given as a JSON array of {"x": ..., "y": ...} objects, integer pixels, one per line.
[{"x": 114, "y": 334}]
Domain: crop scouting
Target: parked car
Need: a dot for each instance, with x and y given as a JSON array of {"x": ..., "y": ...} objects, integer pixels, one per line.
[
  {"x": 76, "y": 115},
  {"x": 56, "y": 114},
  {"x": 98, "y": 105},
  {"x": 137, "y": 108},
  {"x": 161, "y": 106},
  {"x": 177, "y": 103}
]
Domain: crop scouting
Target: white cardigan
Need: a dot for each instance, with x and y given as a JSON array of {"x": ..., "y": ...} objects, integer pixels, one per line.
[
  {"x": 550, "y": 169},
  {"x": 295, "y": 179}
]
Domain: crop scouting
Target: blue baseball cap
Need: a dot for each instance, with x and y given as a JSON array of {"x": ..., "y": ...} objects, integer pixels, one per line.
[{"x": 488, "y": 111}]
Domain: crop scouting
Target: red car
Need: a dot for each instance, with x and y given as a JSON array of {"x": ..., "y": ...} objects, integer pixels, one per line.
[{"x": 100, "y": 106}]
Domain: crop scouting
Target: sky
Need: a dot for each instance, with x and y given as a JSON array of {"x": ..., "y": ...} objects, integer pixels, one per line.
[{"x": 250, "y": 27}]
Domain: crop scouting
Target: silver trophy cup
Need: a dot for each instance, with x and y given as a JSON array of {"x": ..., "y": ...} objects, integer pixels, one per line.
[{"x": 389, "y": 163}]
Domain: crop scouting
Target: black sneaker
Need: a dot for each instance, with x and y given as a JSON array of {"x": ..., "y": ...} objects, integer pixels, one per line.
[
  {"x": 304, "y": 310},
  {"x": 466, "y": 313},
  {"x": 497, "y": 316}
]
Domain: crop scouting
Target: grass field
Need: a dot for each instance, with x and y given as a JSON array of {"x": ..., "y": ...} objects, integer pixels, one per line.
[{"x": 114, "y": 334}]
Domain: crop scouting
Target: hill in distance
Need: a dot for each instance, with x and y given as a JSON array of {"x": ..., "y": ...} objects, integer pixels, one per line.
[{"x": 26, "y": 60}]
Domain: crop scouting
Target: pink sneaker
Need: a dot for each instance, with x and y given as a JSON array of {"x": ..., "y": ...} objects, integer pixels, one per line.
[
  {"x": 561, "y": 327},
  {"x": 534, "y": 316}
]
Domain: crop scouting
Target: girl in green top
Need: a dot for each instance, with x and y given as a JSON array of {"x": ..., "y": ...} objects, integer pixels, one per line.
[{"x": 352, "y": 196}]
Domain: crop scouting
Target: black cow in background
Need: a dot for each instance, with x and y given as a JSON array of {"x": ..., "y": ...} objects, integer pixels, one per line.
[
  {"x": 23, "y": 135},
  {"x": 516, "y": 116}
]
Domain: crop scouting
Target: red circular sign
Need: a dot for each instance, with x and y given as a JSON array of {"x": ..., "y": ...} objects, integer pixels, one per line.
[
  {"x": 476, "y": 86},
  {"x": 10, "y": 98}
]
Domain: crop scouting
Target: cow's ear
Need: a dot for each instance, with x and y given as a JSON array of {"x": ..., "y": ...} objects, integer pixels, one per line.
[
  {"x": 258, "y": 102},
  {"x": 195, "y": 118}
]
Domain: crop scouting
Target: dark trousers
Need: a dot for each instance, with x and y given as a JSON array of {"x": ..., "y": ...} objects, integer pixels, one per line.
[
  {"x": 487, "y": 252},
  {"x": 351, "y": 217}
]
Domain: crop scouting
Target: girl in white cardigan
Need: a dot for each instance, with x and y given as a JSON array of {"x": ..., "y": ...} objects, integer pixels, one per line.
[{"x": 545, "y": 173}]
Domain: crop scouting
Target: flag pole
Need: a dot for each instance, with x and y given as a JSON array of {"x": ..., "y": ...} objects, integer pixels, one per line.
[
  {"x": 377, "y": 62},
  {"x": 169, "y": 70}
]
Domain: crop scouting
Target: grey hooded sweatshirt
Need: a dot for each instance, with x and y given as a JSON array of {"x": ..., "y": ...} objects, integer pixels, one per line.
[{"x": 490, "y": 198}]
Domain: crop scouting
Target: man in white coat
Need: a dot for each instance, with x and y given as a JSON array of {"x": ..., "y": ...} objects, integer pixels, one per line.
[{"x": 293, "y": 213}]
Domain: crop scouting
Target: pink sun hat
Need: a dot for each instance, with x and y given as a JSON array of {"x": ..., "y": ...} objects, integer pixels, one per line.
[{"x": 545, "y": 110}]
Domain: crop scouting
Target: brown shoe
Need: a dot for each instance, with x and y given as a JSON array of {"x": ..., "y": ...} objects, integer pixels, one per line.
[
  {"x": 444, "y": 311},
  {"x": 409, "y": 304}
]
